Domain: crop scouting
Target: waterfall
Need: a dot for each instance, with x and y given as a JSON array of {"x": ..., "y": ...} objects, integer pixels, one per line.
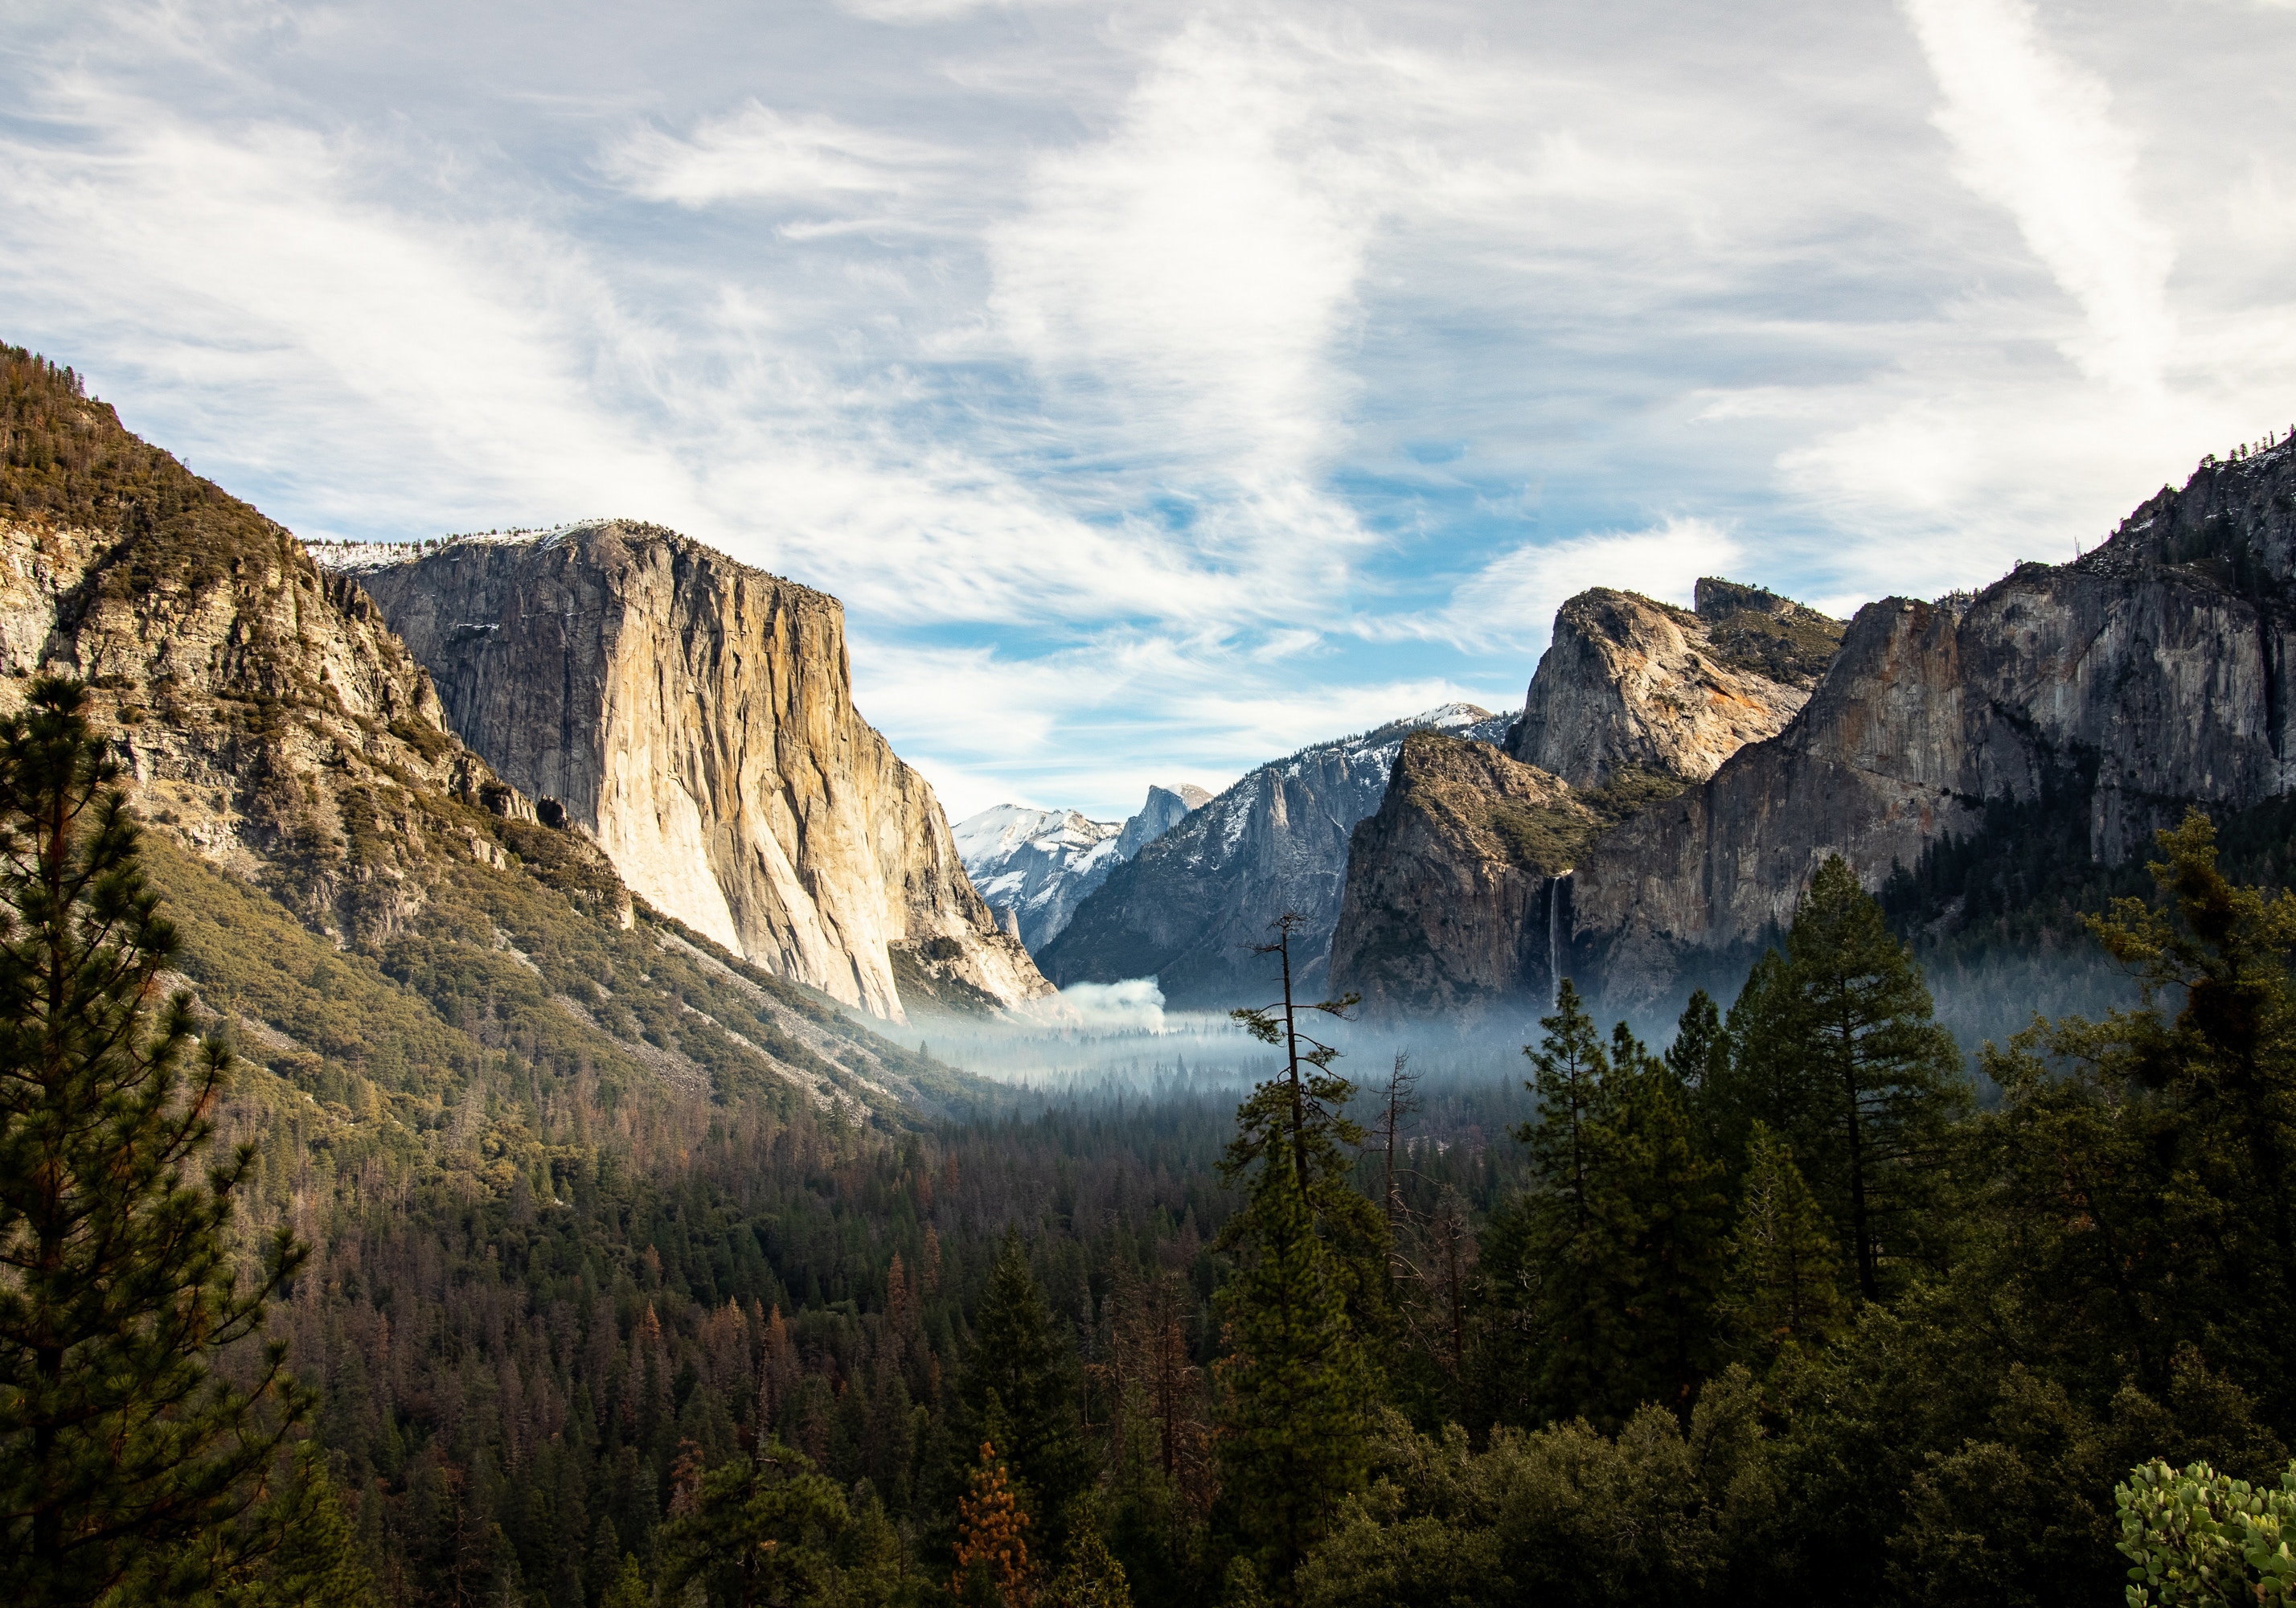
[{"x": 1554, "y": 936}]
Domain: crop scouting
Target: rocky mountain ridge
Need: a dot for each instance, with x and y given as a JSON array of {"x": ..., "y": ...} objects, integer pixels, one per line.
[
  {"x": 378, "y": 918},
  {"x": 1189, "y": 907},
  {"x": 1455, "y": 893},
  {"x": 1033, "y": 866},
  {"x": 694, "y": 717},
  {"x": 2148, "y": 675},
  {"x": 1629, "y": 683}
]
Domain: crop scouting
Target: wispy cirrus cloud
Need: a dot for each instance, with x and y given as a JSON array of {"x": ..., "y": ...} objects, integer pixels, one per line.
[
  {"x": 2036, "y": 136},
  {"x": 759, "y": 153},
  {"x": 1163, "y": 388}
]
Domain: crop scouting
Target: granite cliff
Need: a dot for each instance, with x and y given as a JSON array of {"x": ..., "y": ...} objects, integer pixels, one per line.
[
  {"x": 378, "y": 919},
  {"x": 2108, "y": 695},
  {"x": 1450, "y": 902},
  {"x": 1188, "y": 909},
  {"x": 1631, "y": 685},
  {"x": 1456, "y": 891},
  {"x": 694, "y": 717}
]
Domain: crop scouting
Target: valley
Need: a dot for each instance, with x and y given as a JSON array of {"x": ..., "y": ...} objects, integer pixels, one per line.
[{"x": 702, "y": 1156}]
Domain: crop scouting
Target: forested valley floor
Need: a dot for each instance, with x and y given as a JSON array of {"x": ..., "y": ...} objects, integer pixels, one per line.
[{"x": 1782, "y": 1310}]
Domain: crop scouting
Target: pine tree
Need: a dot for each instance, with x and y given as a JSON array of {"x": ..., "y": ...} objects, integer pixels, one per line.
[
  {"x": 1089, "y": 1576},
  {"x": 1610, "y": 1265},
  {"x": 1782, "y": 1291},
  {"x": 992, "y": 1546},
  {"x": 1834, "y": 1050},
  {"x": 1295, "y": 1384},
  {"x": 1894, "y": 1078},
  {"x": 627, "y": 1588},
  {"x": 1656, "y": 1259},
  {"x": 756, "y": 1530},
  {"x": 1019, "y": 1383},
  {"x": 1569, "y": 1085},
  {"x": 1701, "y": 1049},
  {"x": 122, "y": 1452},
  {"x": 1760, "y": 1073},
  {"x": 1310, "y": 1285}
]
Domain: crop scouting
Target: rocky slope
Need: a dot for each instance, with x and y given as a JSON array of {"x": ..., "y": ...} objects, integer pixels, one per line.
[
  {"x": 1189, "y": 907},
  {"x": 379, "y": 917},
  {"x": 1451, "y": 904},
  {"x": 1033, "y": 866},
  {"x": 695, "y": 716},
  {"x": 2108, "y": 694},
  {"x": 1631, "y": 684}
]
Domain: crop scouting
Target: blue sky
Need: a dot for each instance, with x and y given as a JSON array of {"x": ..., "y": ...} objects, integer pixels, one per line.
[{"x": 1164, "y": 387}]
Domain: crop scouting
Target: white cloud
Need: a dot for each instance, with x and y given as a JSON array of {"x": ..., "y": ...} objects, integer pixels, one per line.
[
  {"x": 1164, "y": 389},
  {"x": 2034, "y": 135},
  {"x": 1513, "y": 598},
  {"x": 1198, "y": 266},
  {"x": 760, "y": 153},
  {"x": 1137, "y": 1003}
]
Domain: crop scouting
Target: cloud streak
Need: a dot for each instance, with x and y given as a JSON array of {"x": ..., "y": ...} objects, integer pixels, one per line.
[{"x": 1164, "y": 389}]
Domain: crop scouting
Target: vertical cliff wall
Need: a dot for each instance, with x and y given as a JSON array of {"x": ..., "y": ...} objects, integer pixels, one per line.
[
  {"x": 1456, "y": 889},
  {"x": 1453, "y": 893},
  {"x": 2148, "y": 675},
  {"x": 695, "y": 716}
]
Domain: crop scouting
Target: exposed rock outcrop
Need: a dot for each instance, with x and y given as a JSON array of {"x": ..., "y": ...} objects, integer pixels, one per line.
[
  {"x": 267, "y": 717},
  {"x": 367, "y": 904},
  {"x": 1631, "y": 685},
  {"x": 1451, "y": 904},
  {"x": 1188, "y": 910},
  {"x": 2151, "y": 673},
  {"x": 695, "y": 717},
  {"x": 1034, "y": 866},
  {"x": 1165, "y": 809},
  {"x": 1633, "y": 701}
]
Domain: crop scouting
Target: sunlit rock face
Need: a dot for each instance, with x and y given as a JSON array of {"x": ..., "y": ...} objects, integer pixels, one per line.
[
  {"x": 1457, "y": 890},
  {"x": 1450, "y": 904},
  {"x": 2148, "y": 675},
  {"x": 1628, "y": 684},
  {"x": 695, "y": 716}
]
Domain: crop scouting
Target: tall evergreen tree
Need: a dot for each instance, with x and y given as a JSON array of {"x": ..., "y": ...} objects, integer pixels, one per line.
[
  {"x": 1863, "y": 1020},
  {"x": 1018, "y": 1389},
  {"x": 1570, "y": 1086},
  {"x": 1701, "y": 1049},
  {"x": 1760, "y": 1073},
  {"x": 1311, "y": 1277},
  {"x": 1782, "y": 1289},
  {"x": 126, "y": 1459},
  {"x": 1838, "y": 1054},
  {"x": 1295, "y": 1385},
  {"x": 1610, "y": 1262}
]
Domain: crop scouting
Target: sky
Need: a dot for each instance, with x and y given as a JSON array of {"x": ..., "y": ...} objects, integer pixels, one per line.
[{"x": 1165, "y": 387}]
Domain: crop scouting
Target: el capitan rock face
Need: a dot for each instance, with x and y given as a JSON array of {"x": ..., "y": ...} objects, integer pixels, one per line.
[
  {"x": 2149, "y": 675},
  {"x": 695, "y": 717},
  {"x": 1629, "y": 683}
]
